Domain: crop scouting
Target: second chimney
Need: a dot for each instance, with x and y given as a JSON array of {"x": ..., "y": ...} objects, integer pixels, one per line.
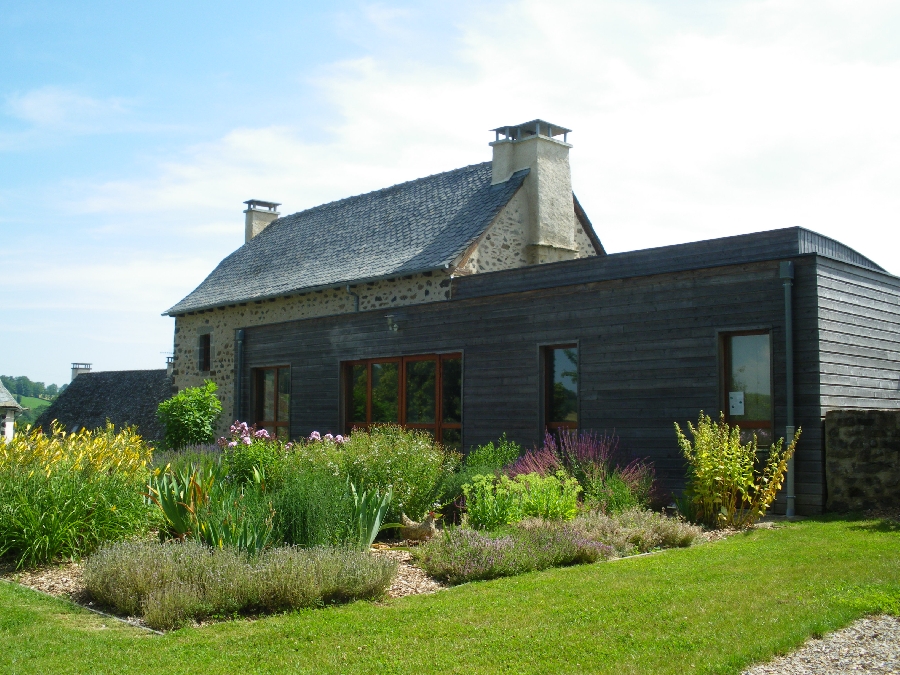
[
  {"x": 80, "y": 369},
  {"x": 258, "y": 216}
]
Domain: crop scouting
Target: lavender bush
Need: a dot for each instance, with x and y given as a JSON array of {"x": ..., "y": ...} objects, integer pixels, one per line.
[{"x": 461, "y": 554}]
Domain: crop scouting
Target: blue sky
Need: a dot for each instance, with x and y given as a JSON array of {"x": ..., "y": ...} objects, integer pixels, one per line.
[{"x": 131, "y": 134}]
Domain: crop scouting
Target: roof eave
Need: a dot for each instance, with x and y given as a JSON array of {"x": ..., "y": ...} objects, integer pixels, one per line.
[{"x": 307, "y": 289}]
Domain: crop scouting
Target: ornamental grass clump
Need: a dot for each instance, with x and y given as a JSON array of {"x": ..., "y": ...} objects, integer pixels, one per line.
[
  {"x": 729, "y": 484},
  {"x": 170, "y": 584},
  {"x": 62, "y": 495}
]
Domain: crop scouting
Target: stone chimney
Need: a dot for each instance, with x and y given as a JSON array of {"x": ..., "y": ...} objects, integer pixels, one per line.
[
  {"x": 548, "y": 187},
  {"x": 79, "y": 368},
  {"x": 258, "y": 216}
]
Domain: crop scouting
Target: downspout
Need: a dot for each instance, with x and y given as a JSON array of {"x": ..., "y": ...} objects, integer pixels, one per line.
[
  {"x": 786, "y": 272},
  {"x": 238, "y": 370},
  {"x": 355, "y": 298}
]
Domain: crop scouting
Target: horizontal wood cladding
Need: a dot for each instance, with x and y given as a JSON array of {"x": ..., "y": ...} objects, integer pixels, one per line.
[
  {"x": 859, "y": 329},
  {"x": 648, "y": 350}
]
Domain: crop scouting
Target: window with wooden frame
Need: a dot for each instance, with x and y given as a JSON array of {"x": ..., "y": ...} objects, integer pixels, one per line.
[
  {"x": 272, "y": 400},
  {"x": 419, "y": 392},
  {"x": 747, "y": 380},
  {"x": 561, "y": 386},
  {"x": 204, "y": 351}
]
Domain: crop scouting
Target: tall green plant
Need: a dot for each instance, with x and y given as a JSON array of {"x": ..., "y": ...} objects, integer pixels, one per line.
[
  {"x": 728, "y": 484},
  {"x": 198, "y": 503},
  {"x": 190, "y": 416},
  {"x": 66, "y": 511},
  {"x": 492, "y": 502},
  {"x": 369, "y": 509}
]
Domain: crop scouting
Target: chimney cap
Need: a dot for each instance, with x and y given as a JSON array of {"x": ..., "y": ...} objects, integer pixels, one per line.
[
  {"x": 259, "y": 205},
  {"x": 538, "y": 127},
  {"x": 81, "y": 366}
]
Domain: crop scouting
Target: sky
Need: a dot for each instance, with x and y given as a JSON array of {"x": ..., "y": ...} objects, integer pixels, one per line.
[{"x": 132, "y": 133}]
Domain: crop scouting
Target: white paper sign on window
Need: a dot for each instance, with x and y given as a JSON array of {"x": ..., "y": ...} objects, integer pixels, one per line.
[{"x": 736, "y": 402}]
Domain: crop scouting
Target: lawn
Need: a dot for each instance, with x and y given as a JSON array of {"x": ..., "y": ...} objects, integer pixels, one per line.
[{"x": 709, "y": 609}]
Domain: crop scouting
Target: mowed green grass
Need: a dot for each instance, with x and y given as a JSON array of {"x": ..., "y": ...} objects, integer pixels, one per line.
[{"x": 713, "y": 608}]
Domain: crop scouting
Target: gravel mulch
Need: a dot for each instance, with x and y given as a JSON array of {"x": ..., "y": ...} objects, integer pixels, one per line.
[
  {"x": 871, "y": 645},
  {"x": 410, "y": 580}
]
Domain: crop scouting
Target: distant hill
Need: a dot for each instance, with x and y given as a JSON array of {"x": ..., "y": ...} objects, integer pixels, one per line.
[
  {"x": 35, "y": 407},
  {"x": 22, "y": 386}
]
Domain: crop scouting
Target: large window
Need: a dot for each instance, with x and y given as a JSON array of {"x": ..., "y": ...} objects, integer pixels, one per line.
[
  {"x": 421, "y": 392},
  {"x": 748, "y": 384},
  {"x": 561, "y": 387},
  {"x": 272, "y": 391}
]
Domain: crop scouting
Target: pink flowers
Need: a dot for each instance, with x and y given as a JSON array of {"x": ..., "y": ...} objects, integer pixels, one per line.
[
  {"x": 242, "y": 433},
  {"x": 316, "y": 436}
]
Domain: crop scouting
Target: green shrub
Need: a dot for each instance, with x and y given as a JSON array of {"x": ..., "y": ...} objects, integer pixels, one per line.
[
  {"x": 169, "y": 584},
  {"x": 406, "y": 461},
  {"x": 190, "y": 416},
  {"x": 481, "y": 460},
  {"x": 267, "y": 457},
  {"x": 493, "y": 456},
  {"x": 312, "y": 508},
  {"x": 494, "y": 501},
  {"x": 728, "y": 484},
  {"x": 66, "y": 512}
]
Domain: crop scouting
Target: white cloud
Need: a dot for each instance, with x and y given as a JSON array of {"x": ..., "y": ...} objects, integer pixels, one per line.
[
  {"x": 62, "y": 109},
  {"x": 752, "y": 116}
]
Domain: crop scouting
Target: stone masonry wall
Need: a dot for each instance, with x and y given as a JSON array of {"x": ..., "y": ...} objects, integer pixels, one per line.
[
  {"x": 505, "y": 243},
  {"x": 862, "y": 459},
  {"x": 221, "y": 324}
]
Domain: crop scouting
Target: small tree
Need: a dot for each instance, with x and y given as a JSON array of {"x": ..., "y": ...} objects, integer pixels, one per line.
[
  {"x": 190, "y": 416},
  {"x": 728, "y": 484}
]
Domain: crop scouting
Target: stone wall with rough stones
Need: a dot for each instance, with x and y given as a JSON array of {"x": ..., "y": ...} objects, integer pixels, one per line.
[
  {"x": 505, "y": 244},
  {"x": 862, "y": 459},
  {"x": 221, "y": 323}
]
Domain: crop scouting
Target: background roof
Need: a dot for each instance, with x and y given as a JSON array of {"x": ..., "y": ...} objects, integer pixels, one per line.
[
  {"x": 7, "y": 400},
  {"x": 124, "y": 397}
]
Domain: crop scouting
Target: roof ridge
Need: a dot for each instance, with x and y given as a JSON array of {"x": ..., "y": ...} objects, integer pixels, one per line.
[{"x": 385, "y": 189}]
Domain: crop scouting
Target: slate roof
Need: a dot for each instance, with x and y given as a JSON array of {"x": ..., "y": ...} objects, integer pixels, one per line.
[
  {"x": 8, "y": 401},
  {"x": 124, "y": 397},
  {"x": 782, "y": 244},
  {"x": 419, "y": 226}
]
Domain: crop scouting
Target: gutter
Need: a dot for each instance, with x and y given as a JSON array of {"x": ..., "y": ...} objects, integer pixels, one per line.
[{"x": 786, "y": 273}]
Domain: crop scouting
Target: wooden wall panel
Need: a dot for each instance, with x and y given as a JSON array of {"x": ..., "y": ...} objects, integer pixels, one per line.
[{"x": 648, "y": 356}]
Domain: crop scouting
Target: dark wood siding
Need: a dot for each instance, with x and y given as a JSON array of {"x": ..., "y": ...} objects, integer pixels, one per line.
[
  {"x": 859, "y": 332},
  {"x": 648, "y": 346}
]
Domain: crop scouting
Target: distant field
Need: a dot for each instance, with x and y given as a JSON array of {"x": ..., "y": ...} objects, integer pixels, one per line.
[{"x": 34, "y": 403}]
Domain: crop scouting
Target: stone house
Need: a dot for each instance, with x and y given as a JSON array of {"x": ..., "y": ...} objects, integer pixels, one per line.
[{"x": 481, "y": 301}]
